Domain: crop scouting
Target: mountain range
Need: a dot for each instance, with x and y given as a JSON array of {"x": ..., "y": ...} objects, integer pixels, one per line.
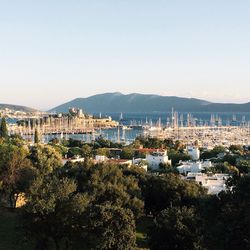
[
  {"x": 118, "y": 102},
  {"x": 17, "y": 107}
]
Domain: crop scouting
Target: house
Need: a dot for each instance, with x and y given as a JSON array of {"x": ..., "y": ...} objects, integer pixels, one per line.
[
  {"x": 193, "y": 152},
  {"x": 157, "y": 157},
  {"x": 193, "y": 166},
  {"x": 215, "y": 183}
]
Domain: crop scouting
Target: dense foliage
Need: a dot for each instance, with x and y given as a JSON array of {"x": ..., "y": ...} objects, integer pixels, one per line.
[{"x": 89, "y": 205}]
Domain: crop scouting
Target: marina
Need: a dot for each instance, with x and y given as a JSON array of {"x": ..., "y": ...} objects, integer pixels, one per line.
[{"x": 206, "y": 129}]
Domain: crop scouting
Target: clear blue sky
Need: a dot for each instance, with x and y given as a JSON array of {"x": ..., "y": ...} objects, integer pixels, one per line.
[{"x": 52, "y": 51}]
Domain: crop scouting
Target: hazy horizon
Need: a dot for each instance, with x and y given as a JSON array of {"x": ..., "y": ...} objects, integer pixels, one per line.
[
  {"x": 51, "y": 107},
  {"x": 53, "y": 52}
]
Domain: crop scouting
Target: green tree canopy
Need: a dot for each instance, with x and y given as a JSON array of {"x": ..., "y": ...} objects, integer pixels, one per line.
[
  {"x": 87, "y": 151},
  {"x": 36, "y": 137},
  {"x": 176, "y": 228},
  {"x": 3, "y": 129},
  {"x": 127, "y": 153},
  {"x": 45, "y": 158},
  {"x": 108, "y": 183},
  {"x": 243, "y": 166},
  {"x": 161, "y": 192},
  {"x": 111, "y": 228},
  {"x": 226, "y": 218},
  {"x": 54, "y": 213},
  {"x": 16, "y": 171}
]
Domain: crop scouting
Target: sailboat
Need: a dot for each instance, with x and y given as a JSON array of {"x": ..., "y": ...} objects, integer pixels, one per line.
[{"x": 121, "y": 117}]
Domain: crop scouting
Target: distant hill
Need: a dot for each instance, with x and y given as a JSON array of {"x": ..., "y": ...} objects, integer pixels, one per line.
[
  {"x": 118, "y": 102},
  {"x": 16, "y": 107}
]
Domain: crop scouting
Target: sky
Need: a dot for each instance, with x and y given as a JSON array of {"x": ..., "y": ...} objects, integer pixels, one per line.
[{"x": 52, "y": 51}]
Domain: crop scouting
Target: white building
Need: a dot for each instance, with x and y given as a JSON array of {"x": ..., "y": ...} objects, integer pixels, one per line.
[
  {"x": 101, "y": 158},
  {"x": 214, "y": 183},
  {"x": 193, "y": 152},
  {"x": 157, "y": 157},
  {"x": 193, "y": 166}
]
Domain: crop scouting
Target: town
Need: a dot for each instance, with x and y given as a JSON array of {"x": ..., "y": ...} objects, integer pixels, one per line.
[
  {"x": 124, "y": 125},
  {"x": 189, "y": 168},
  {"x": 196, "y": 141}
]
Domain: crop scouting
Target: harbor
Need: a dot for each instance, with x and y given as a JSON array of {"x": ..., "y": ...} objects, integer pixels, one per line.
[{"x": 206, "y": 129}]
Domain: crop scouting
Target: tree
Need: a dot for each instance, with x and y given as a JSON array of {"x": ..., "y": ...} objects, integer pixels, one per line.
[
  {"x": 169, "y": 143},
  {"x": 111, "y": 228},
  {"x": 165, "y": 168},
  {"x": 236, "y": 149},
  {"x": 74, "y": 152},
  {"x": 102, "y": 151},
  {"x": 243, "y": 166},
  {"x": 127, "y": 153},
  {"x": 54, "y": 141},
  {"x": 3, "y": 129},
  {"x": 62, "y": 150},
  {"x": 226, "y": 218},
  {"x": 86, "y": 151},
  {"x": 17, "y": 140},
  {"x": 161, "y": 192},
  {"x": 45, "y": 158},
  {"x": 177, "y": 156},
  {"x": 179, "y": 145},
  {"x": 74, "y": 143},
  {"x": 108, "y": 183},
  {"x": 54, "y": 214},
  {"x": 224, "y": 167},
  {"x": 176, "y": 228},
  {"x": 208, "y": 154},
  {"x": 231, "y": 159},
  {"x": 218, "y": 150},
  {"x": 101, "y": 142},
  {"x": 36, "y": 137},
  {"x": 16, "y": 172},
  {"x": 136, "y": 144},
  {"x": 96, "y": 204},
  {"x": 150, "y": 142}
]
